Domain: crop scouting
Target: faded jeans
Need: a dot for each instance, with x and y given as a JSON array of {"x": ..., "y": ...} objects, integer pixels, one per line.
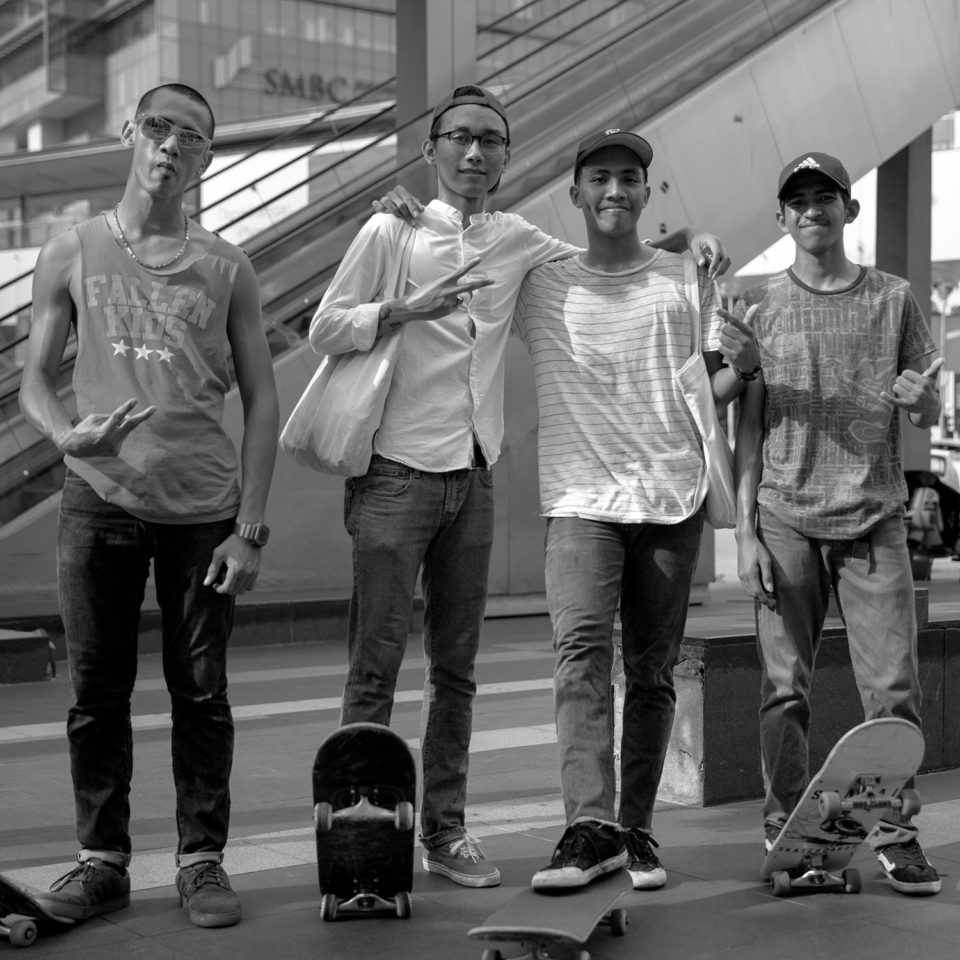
[
  {"x": 591, "y": 566},
  {"x": 402, "y": 519},
  {"x": 873, "y": 583},
  {"x": 103, "y": 556}
]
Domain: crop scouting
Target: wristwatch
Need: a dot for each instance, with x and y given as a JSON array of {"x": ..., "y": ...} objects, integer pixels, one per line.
[
  {"x": 750, "y": 375},
  {"x": 257, "y": 533}
]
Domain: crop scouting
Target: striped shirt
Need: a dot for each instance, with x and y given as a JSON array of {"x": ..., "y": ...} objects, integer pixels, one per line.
[{"x": 616, "y": 441}]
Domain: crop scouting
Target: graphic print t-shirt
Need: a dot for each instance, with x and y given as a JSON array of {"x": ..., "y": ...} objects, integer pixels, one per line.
[
  {"x": 832, "y": 466},
  {"x": 160, "y": 337}
]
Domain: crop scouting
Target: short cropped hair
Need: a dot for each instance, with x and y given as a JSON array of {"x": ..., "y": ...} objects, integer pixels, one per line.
[{"x": 185, "y": 91}]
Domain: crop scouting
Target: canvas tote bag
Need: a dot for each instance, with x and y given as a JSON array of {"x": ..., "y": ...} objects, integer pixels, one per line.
[
  {"x": 332, "y": 426},
  {"x": 720, "y": 498}
]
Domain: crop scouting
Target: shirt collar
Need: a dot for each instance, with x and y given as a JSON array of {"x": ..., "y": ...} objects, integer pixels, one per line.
[{"x": 454, "y": 215}]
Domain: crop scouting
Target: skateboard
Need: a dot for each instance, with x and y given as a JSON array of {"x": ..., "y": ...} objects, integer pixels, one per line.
[
  {"x": 22, "y": 916},
  {"x": 556, "y": 926},
  {"x": 364, "y": 787},
  {"x": 860, "y": 780}
]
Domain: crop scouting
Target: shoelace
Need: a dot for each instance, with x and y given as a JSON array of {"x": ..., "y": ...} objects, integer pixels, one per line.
[
  {"x": 467, "y": 848},
  {"x": 639, "y": 844},
  {"x": 906, "y": 854},
  {"x": 67, "y": 877},
  {"x": 209, "y": 873},
  {"x": 572, "y": 843}
]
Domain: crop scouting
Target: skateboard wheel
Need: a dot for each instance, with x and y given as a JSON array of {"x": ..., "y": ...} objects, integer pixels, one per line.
[
  {"x": 780, "y": 884},
  {"x": 831, "y": 806},
  {"x": 403, "y": 816},
  {"x": 491, "y": 954},
  {"x": 328, "y": 906},
  {"x": 851, "y": 880},
  {"x": 23, "y": 933},
  {"x": 403, "y": 902},
  {"x": 910, "y": 802},
  {"x": 619, "y": 921},
  {"x": 323, "y": 816}
]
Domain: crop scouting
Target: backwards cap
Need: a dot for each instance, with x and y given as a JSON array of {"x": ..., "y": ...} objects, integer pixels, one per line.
[
  {"x": 823, "y": 163},
  {"x": 469, "y": 94}
]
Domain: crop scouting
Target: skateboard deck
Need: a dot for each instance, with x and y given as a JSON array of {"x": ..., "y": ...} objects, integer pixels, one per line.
[
  {"x": 364, "y": 788},
  {"x": 21, "y": 915},
  {"x": 556, "y": 925},
  {"x": 860, "y": 781}
]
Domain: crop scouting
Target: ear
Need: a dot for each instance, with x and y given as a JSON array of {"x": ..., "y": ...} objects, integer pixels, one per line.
[
  {"x": 781, "y": 219},
  {"x": 646, "y": 194},
  {"x": 204, "y": 163},
  {"x": 853, "y": 211},
  {"x": 506, "y": 157},
  {"x": 429, "y": 151},
  {"x": 575, "y": 195},
  {"x": 128, "y": 133}
]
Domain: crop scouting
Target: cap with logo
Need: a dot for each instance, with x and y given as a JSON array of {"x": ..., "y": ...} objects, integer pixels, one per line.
[
  {"x": 614, "y": 137},
  {"x": 823, "y": 163},
  {"x": 466, "y": 95}
]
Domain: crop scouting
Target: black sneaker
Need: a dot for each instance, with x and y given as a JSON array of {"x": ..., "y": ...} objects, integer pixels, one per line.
[
  {"x": 644, "y": 866},
  {"x": 586, "y": 850},
  {"x": 90, "y": 889},
  {"x": 907, "y": 869},
  {"x": 205, "y": 890}
]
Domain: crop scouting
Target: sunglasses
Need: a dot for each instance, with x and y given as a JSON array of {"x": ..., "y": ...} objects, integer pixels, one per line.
[{"x": 158, "y": 130}]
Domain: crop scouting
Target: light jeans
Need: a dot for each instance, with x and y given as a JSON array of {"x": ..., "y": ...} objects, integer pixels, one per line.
[
  {"x": 873, "y": 583},
  {"x": 647, "y": 568}
]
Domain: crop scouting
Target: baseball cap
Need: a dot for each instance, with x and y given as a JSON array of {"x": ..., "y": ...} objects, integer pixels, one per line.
[
  {"x": 469, "y": 94},
  {"x": 823, "y": 163},
  {"x": 614, "y": 137}
]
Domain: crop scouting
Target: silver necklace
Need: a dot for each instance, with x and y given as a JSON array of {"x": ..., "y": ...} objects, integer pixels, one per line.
[{"x": 153, "y": 266}]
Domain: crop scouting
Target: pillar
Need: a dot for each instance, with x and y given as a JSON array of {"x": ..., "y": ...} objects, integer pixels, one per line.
[
  {"x": 436, "y": 51},
  {"x": 904, "y": 200}
]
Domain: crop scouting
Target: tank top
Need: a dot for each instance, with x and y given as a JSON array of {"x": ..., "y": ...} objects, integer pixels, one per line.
[{"x": 162, "y": 338}]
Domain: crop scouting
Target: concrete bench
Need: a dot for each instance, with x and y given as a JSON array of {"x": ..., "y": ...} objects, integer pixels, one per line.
[
  {"x": 714, "y": 753},
  {"x": 25, "y": 655}
]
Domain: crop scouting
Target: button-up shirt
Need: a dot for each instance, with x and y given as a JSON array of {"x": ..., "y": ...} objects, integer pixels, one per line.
[{"x": 447, "y": 388}]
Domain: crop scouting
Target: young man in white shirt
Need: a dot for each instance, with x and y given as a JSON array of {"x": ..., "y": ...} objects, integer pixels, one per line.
[{"x": 427, "y": 499}]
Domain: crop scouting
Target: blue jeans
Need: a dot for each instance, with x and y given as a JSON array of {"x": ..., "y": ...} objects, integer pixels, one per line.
[
  {"x": 590, "y": 567},
  {"x": 400, "y": 520},
  {"x": 103, "y": 556},
  {"x": 873, "y": 583}
]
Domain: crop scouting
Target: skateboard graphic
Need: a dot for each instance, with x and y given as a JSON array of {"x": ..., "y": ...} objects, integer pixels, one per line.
[
  {"x": 860, "y": 780},
  {"x": 22, "y": 917},
  {"x": 556, "y": 926},
  {"x": 364, "y": 788}
]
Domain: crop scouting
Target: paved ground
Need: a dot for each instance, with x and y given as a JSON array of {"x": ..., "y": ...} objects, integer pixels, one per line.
[{"x": 286, "y": 699}]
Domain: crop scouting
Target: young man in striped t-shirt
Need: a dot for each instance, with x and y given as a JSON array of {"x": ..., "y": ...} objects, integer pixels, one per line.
[{"x": 620, "y": 471}]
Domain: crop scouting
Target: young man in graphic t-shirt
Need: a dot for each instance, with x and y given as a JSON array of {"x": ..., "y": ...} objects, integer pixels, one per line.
[
  {"x": 159, "y": 305},
  {"x": 620, "y": 467},
  {"x": 821, "y": 489}
]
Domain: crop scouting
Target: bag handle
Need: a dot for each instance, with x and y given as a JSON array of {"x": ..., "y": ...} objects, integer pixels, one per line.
[
  {"x": 396, "y": 279},
  {"x": 691, "y": 283}
]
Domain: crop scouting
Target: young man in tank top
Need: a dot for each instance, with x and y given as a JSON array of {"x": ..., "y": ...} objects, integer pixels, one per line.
[{"x": 159, "y": 304}]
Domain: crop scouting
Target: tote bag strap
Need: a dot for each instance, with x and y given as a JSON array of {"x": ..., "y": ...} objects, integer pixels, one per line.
[
  {"x": 396, "y": 279},
  {"x": 691, "y": 283}
]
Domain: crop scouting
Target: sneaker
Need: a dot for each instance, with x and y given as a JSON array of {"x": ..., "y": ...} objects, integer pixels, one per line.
[
  {"x": 771, "y": 832},
  {"x": 644, "y": 867},
  {"x": 586, "y": 851},
  {"x": 463, "y": 862},
  {"x": 205, "y": 889},
  {"x": 90, "y": 889},
  {"x": 907, "y": 869}
]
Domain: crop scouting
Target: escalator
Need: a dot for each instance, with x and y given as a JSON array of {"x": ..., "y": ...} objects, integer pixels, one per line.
[{"x": 613, "y": 64}]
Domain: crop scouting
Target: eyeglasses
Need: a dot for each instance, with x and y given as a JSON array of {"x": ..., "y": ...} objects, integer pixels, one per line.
[
  {"x": 158, "y": 130},
  {"x": 489, "y": 142}
]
